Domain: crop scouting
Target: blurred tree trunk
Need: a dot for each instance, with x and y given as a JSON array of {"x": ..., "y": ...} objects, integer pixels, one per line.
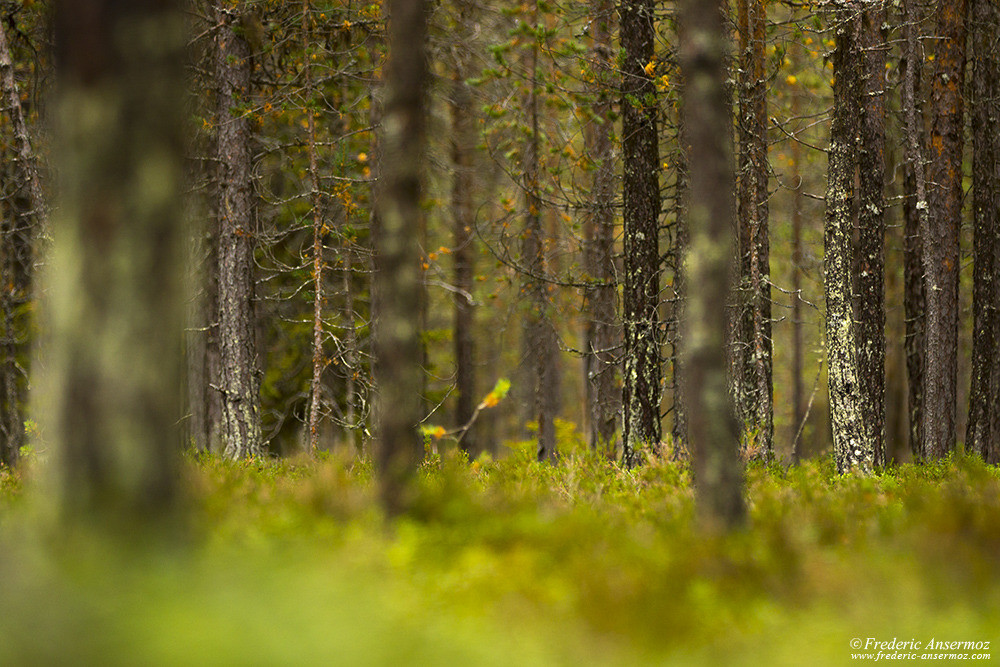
[
  {"x": 851, "y": 447},
  {"x": 115, "y": 280},
  {"x": 641, "y": 200},
  {"x": 399, "y": 376},
  {"x": 712, "y": 427},
  {"x": 940, "y": 234},
  {"x": 602, "y": 336},
  {"x": 915, "y": 212},
  {"x": 983, "y": 434},
  {"x": 239, "y": 383},
  {"x": 464, "y": 137},
  {"x": 20, "y": 229},
  {"x": 754, "y": 373},
  {"x": 870, "y": 281}
]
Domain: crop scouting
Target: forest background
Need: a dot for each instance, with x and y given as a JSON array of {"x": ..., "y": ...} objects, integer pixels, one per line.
[{"x": 559, "y": 226}]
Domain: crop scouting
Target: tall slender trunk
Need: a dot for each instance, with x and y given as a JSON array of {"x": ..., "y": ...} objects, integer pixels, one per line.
[
  {"x": 870, "y": 281},
  {"x": 850, "y": 446},
  {"x": 463, "y": 144},
  {"x": 18, "y": 245},
  {"x": 712, "y": 426},
  {"x": 239, "y": 383},
  {"x": 915, "y": 212},
  {"x": 540, "y": 347},
  {"x": 681, "y": 241},
  {"x": 755, "y": 398},
  {"x": 798, "y": 352},
  {"x": 315, "y": 202},
  {"x": 941, "y": 230},
  {"x": 982, "y": 436},
  {"x": 641, "y": 200},
  {"x": 398, "y": 281},
  {"x": 603, "y": 332},
  {"x": 114, "y": 300}
]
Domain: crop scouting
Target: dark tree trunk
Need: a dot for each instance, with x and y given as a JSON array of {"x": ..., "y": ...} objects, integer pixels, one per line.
[
  {"x": 464, "y": 137},
  {"x": 755, "y": 389},
  {"x": 982, "y": 436},
  {"x": 798, "y": 351},
  {"x": 603, "y": 332},
  {"x": 712, "y": 426},
  {"x": 20, "y": 229},
  {"x": 915, "y": 212},
  {"x": 678, "y": 251},
  {"x": 852, "y": 449},
  {"x": 115, "y": 295},
  {"x": 239, "y": 382},
  {"x": 540, "y": 345},
  {"x": 641, "y": 192},
  {"x": 399, "y": 376},
  {"x": 940, "y": 235},
  {"x": 870, "y": 281}
]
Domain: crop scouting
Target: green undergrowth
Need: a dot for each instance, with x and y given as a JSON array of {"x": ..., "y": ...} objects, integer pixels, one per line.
[{"x": 509, "y": 562}]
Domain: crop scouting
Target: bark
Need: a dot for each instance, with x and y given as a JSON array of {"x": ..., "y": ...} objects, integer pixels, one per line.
[
  {"x": 798, "y": 352},
  {"x": 540, "y": 345},
  {"x": 399, "y": 376},
  {"x": 239, "y": 382},
  {"x": 712, "y": 423},
  {"x": 464, "y": 136},
  {"x": 315, "y": 202},
  {"x": 915, "y": 211},
  {"x": 603, "y": 333},
  {"x": 18, "y": 265},
  {"x": 982, "y": 436},
  {"x": 681, "y": 240},
  {"x": 641, "y": 200},
  {"x": 114, "y": 303},
  {"x": 940, "y": 233},
  {"x": 851, "y": 447},
  {"x": 754, "y": 375},
  {"x": 870, "y": 280}
]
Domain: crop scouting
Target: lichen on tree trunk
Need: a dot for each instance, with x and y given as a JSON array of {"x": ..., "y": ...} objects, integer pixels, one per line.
[
  {"x": 239, "y": 382},
  {"x": 852, "y": 449},
  {"x": 641, "y": 200}
]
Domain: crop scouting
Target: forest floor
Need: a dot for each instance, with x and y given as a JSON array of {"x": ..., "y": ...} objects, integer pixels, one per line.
[{"x": 511, "y": 563}]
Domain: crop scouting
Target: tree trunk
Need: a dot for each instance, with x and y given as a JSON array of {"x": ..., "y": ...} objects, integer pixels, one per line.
[
  {"x": 798, "y": 352},
  {"x": 712, "y": 426},
  {"x": 603, "y": 333},
  {"x": 115, "y": 298},
  {"x": 18, "y": 264},
  {"x": 755, "y": 397},
  {"x": 315, "y": 203},
  {"x": 940, "y": 234},
  {"x": 540, "y": 348},
  {"x": 982, "y": 436},
  {"x": 915, "y": 212},
  {"x": 641, "y": 201},
  {"x": 398, "y": 281},
  {"x": 852, "y": 449},
  {"x": 240, "y": 382},
  {"x": 870, "y": 281},
  {"x": 464, "y": 136}
]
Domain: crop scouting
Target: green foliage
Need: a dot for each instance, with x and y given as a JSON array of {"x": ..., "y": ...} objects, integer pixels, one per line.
[{"x": 512, "y": 561}]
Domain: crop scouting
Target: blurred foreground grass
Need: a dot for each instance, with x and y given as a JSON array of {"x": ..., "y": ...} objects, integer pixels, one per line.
[{"x": 509, "y": 563}]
